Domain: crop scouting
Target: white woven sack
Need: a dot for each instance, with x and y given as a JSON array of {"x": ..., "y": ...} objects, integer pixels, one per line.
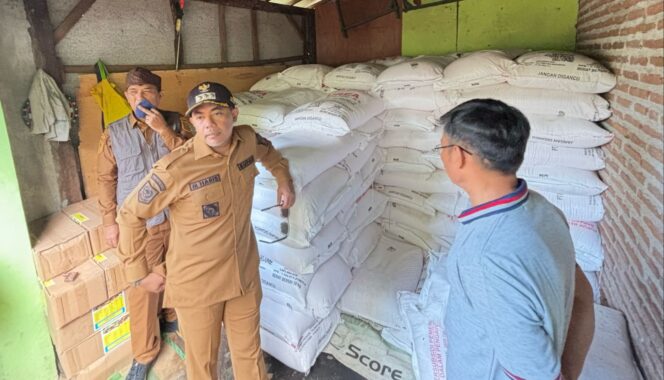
[
  {"x": 393, "y": 266},
  {"x": 354, "y": 76},
  {"x": 587, "y": 245},
  {"x": 247, "y": 97},
  {"x": 532, "y": 101},
  {"x": 270, "y": 83},
  {"x": 300, "y": 355},
  {"x": 310, "y": 154},
  {"x": 422, "y": 141},
  {"x": 407, "y": 96},
  {"x": 568, "y": 132},
  {"x": 410, "y": 235},
  {"x": 407, "y": 119},
  {"x": 307, "y": 260},
  {"x": 562, "y": 180},
  {"x": 327, "y": 286},
  {"x": 577, "y": 207},
  {"x": 549, "y": 155},
  {"x": 315, "y": 293},
  {"x": 413, "y": 199},
  {"x": 477, "y": 69},
  {"x": 354, "y": 252},
  {"x": 307, "y": 76},
  {"x": 449, "y": 203},
  {"x": 562, "y": 71},
  {"x": 416, "y": 71},
  {"x": 410, "y": 160},
  {"x": 436, "y": 182},
  {"x": 267, "y": 114},
  {"x": 337, "y": 114}
]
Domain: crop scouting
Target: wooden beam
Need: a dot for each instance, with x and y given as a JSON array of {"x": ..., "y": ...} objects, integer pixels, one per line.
[
  {"x": 72, "y": 18},
  {"x": 43, "y": 43},
  {"x": 89, "y": 69},
  {"x": 295, "y": 25},
  {"x": 260, "y": 5},
  {"x": 309, "y": 28},
  {"x": 222, "y": 34},
  {"x": 255, "y": 53}
]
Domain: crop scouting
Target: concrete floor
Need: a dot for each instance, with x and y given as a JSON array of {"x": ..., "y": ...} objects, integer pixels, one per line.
[{"x": 170, "y": 365}]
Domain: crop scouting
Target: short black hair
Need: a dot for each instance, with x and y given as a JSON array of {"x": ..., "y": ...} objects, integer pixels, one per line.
[{"x": 491, "y": 129}]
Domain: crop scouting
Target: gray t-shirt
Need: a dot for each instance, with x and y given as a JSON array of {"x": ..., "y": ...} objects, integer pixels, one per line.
[{"x": 511, "y": 271}]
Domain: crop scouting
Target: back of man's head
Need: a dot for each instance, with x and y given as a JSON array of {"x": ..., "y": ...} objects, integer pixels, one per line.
[{"x": 492, "y": 130}]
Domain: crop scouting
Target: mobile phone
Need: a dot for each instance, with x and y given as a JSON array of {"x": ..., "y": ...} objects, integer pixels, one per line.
[{"x": 145, "y": 104}]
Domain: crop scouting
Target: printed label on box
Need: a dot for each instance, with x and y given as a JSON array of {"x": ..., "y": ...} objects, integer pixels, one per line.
[
  {"x": 100, "y": 258},
  {"x": 79, "y": 217},
  {"x": 108, "y": 312},
  {"x": 116, "y": 334}
]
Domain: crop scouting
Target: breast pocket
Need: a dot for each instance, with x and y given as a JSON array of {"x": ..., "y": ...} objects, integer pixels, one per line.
[
  {"x": 248, "y": 176},
  {"x": 129, "y": 161}
]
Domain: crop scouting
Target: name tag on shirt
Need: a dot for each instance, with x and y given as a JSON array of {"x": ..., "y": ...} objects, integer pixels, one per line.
[{"x": 204, "y": 182}]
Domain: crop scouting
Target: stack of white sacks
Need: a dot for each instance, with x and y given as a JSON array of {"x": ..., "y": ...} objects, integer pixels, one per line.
[
  {"x": 376, "y": 213},
  {"x": 558, "y": 92},
  {"x": 330, "y": 138}
]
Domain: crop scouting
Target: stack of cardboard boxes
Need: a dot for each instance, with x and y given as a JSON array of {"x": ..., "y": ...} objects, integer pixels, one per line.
[{"x": 83, "y": 285}]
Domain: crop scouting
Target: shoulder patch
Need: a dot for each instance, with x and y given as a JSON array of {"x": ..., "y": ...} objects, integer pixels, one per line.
[
  {"x": 260, "y": 140},
  {"x": 157, "y": 181},
  {"x": 147, "y": 193},
  {"x": 245, "y": 163}
]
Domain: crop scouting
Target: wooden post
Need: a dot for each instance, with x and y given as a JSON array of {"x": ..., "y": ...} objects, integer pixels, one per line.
[
  {"x": 43, "y": 41},
  {"x": 43, "y": 49},
  {"x": 309, "y": 28}
]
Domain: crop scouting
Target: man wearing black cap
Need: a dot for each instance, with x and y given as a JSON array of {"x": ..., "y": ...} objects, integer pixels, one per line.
[
  {"x": 212, "y": 278},
  {"x": 127, "y": 150}
]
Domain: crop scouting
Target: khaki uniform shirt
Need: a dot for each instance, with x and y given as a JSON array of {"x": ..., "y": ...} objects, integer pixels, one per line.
[
  {"x": 213, "y": 254},
  {"x": 107, "y": 168}
]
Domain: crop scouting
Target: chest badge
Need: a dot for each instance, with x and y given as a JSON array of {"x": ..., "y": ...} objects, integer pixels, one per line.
[{"x": 210, "y": 210}]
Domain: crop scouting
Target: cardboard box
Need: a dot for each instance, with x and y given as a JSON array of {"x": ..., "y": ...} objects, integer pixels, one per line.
[
  {"x": 75, "y": 332},
  {"x": 58, "y": 245},
  {"x": 113, "y": 269},
  {"x": 95, "y": 347},
  {"x": 116, "y": 361},
  {"x": 87, "y": 215},
  {"x": 66, "y": 301}
]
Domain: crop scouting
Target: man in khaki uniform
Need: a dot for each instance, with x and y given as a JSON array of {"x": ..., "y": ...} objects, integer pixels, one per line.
[
  {"x": 127, "y": 150},
  {"x": 212, "y": 262}
]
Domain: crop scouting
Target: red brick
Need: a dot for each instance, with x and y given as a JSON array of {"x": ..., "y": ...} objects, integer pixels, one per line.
[
  {"x": 654, "y": 44},
  {"x": 656, "y": 192},
  {"x": 656, "y": 230},
  {"x": 655, "y": 9},
  {"x": 657, "y": 61},
  {"x": 635, "y": 44},
  {"x": 656, "y": 98},
  {"x": 655, "y": 153},
  {"x": 641, "y": 109},
  {"x": 644, "y": 239},
  {"x": 650, "y": 131},
  {"x": 620, "y": 100},
  {"x": 639, "y": 92},
  {"x": 655, "y": 79},
  {"x": 650, "y": 169},
  {"x": 642, "y": 61}
]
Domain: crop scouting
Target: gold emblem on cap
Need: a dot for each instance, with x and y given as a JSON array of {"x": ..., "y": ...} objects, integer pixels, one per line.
[{"x": 204, "y": 87}]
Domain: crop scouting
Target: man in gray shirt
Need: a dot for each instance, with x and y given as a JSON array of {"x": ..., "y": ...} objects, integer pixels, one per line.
[{"x": 512, "y": 267}]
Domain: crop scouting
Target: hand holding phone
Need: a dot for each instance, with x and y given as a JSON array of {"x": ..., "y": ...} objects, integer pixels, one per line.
[{"x": 145, "y": 104}]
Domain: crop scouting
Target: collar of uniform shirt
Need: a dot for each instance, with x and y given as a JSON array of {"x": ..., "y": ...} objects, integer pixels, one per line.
[{"x": 201, "y": 149}]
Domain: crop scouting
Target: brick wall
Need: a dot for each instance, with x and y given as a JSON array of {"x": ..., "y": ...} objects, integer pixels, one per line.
[{"x": 627, "y": 36}]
